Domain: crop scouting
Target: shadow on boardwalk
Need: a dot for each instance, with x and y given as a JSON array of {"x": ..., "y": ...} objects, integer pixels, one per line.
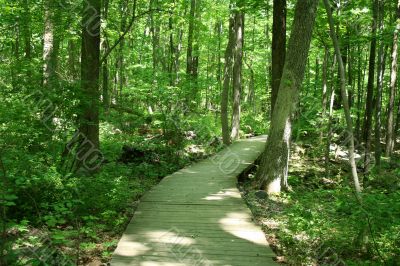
[{"x": 196, "y": 216}]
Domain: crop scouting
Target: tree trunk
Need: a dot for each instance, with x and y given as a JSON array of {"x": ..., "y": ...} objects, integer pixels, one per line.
[
  {"x": 380, "y": 76},
  {"x": 330, "y": 118},
  {"x": 90, "y": 69},
  {"x": 251, "y": 91},
  {"x": 237, "y": 72},
  {"x": 27, "y": 36},
  {"x": 227, "y": 81},
  {"x": 268, "y": 63},
  {"x": 26, "y": 29},
  {"x": 72, "y": 59},
  {"x": 345, "y": 100},
  {"x": 178, "y": 50},
  {"x": 196, "y": 47},
  {"x": 359, "y": 92},
  {"x": 393, "y": 81},
  {"x": 120, "y": 59},
  {"x": 397, "y": 126},
  {"x": 15, "y": 53},
  {"x": 105, "y": 71},
  {"x": 324, "y": 88},
  {"x": 219, "y": 68},
  {"x": 370, "y": 91},
  {"x": 189, "y": 56},
  {"x": 278, "y": 47},
  {"x": 172, "y": 64},
  {"x": 316, "y": 77},
  {"x": 51, "y": 43},
  {"x": 155, "y": 34},
  {"x": 273, "y": 170},
  {"x": 192, "y": 55}
]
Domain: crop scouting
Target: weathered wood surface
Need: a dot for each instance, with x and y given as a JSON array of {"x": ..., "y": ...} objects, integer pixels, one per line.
[{"x": 196, "y": 216}]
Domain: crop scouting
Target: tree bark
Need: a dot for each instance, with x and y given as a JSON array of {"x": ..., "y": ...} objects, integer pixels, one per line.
[
  {"x": 345, "y": 100},
  {"x": 72, "y": 59},
  {"x": 15, "y": 53},
  {"x": 393, "y": 81},
  {"x": 370, "y": 91},
  {"x": 227, "y": 81},
  {"x": 273, "y": 170},
  {"x": 196, "y": 47},
  {"x": 218, "y": 27},
  {"x": 325, "y": 81},
  {"x": 380, "y": 76},
  {"x": 331, "y": 95},
  {"x": 316, "y": 77},
  {"x": 324, "y": 88},
  {"x": 268, "y": 63},
  {"x": 192, "y": 52},
  {"x": 278, "y": 47},
  {"x": 105, "y": 70},
  {"x": 120, "y": 59},
  {"x": 90, "y": 71},
  {"x": 359, "y": 92},
  {"x": 173, "y": 69},
  {"x": 155, "y": 34},
  {"x": 27, "y": 37},
  {"x": 397, "y": 126},
  {"x": 189, "y": 56},
  {"x": 26, "y": 29},
  {"x": 51, "y": 43},
  {"x": 178, "y": 50},
  {"x": 237, "y": 72}
]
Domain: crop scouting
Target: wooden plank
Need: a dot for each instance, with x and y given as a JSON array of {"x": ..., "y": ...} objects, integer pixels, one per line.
[
  {"x": 196, "y": 216},
  {"x": 193, "y": 261}
]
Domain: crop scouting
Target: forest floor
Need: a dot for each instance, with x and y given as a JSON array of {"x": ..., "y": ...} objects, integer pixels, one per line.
[{"x": 320, "y": 222}]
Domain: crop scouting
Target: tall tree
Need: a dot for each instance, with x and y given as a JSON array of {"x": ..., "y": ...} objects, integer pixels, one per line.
[
  {"x": 173, "y": 68},
  {"x": 51, "y": 43},
  {"x": 90, "y": 71},
  {"x": 360, "y": 81},
  {"x": 227, "y": 76},
  {"x": 278, "y": 47},
  {"x": 105, "y": 71},
  {"x": 345, "y": 100},
  {"x": 370, "y": 89},
  {"x": 120, "y": 77},
  {"x": 192, "y": 53},
  {"x": 237, "y": 70},
  {"x": 155, "y": 34},
  {"x": 380, "y": 76},
  {"x": 73, "y": 58},
  {"x": 218, "y": 28},
  {"x": 393, "y": 82},
  {"x": 26, "y": 29},
  {"x": 273, "y": 170},
  {"x": 189, "y": 57}
]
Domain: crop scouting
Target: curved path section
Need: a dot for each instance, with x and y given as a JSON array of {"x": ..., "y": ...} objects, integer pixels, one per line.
[{"x": 196, "y": 216}]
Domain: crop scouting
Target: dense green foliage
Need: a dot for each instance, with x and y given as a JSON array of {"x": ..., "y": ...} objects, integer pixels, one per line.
[{"x": 321, "y": 220}]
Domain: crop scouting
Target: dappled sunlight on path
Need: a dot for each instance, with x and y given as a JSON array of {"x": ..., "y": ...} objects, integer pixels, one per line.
[{"x": 196, "y": 216}]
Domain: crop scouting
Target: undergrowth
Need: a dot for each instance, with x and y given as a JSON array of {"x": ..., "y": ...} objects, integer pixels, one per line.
[
  {"x": 321, "y": 223},
  {"x": 54, "y": 217}
]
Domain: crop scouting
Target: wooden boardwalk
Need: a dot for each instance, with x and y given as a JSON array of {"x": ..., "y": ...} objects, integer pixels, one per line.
[{"x": 196, "y": 216}]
